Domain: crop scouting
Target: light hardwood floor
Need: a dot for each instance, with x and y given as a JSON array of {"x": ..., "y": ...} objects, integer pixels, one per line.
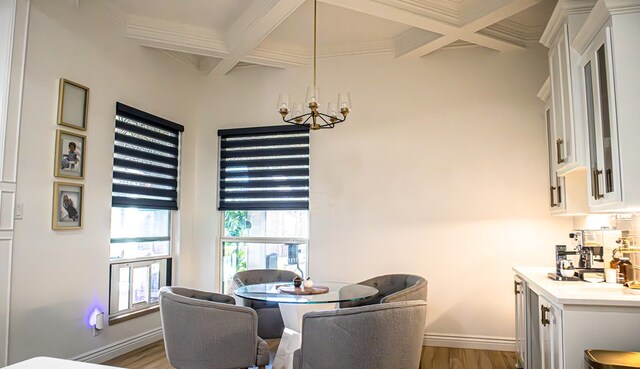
[{"x": 153, "y": 357}]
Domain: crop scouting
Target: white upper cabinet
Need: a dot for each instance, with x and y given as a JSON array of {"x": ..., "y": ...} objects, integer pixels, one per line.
[
  {"x": 568, "y": 193},
  {"x": 609, "y": 45},
  {"x": 568, "y": 131}
]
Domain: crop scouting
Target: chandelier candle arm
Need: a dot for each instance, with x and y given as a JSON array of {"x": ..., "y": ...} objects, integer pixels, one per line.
[{"x": 314, "y": 119}]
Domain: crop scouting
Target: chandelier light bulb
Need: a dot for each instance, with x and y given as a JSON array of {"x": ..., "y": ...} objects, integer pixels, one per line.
[
  {"x": 283, "y": 103},
  {"x": 332, "y": 110},
  {"x": 312, "y": 96}
]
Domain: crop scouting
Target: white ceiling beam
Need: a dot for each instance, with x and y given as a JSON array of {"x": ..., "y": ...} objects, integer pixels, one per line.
[
  {"x": 450, "y": 33},
  {"x": 253, "y": 26},
  {"x": 172, "y": 37},
  {"x": 175, "y": 37}
]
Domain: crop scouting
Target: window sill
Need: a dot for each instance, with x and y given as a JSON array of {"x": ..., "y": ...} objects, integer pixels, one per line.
[{"x": 133, "y": 315}]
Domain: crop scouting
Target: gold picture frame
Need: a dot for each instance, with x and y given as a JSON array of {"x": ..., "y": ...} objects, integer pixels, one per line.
[
  {"x": 73, "y": 105},
  {"x": 71, "y": 155},
  {"x": 68, "y": 206}
]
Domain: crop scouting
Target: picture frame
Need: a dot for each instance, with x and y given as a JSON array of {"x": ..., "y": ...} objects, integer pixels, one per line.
[
  {"x": 68, "y": 205},
  {"x": 71, "y": 154},
  {"x": 73, "y": 105}
]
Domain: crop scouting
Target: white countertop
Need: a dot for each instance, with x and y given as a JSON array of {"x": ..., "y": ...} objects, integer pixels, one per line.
[
  {"x": 52, "y": 363},
  {"x": 576, "y": 293}
]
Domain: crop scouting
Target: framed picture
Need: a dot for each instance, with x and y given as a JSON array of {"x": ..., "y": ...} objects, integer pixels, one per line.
[
  {"x": 73, "y": 105},
  {"x": 68, "y": 202},
  {"x": 71, "y": 154}
]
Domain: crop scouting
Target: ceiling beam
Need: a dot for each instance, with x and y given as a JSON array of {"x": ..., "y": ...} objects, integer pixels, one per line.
[
  {"x": 173, "y": 37},
  {"x": 253, "y": 26},
  {"x": 448, "y": 32}
]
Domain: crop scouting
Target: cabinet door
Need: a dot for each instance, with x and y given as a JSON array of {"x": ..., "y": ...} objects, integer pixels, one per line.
[
  {"x": 519, "y": 288},
  {"x": 557, "y": 204},
  {"x": 604, "y": 178},
  {"x": 551, "y": 346},
  {"x": 563, "y": 120}
]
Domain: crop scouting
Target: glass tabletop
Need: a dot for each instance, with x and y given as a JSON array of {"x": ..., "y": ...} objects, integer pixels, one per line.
[{"x": 338, "y": 292}]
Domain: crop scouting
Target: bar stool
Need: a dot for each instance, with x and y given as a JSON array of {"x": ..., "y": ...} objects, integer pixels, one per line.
[{"x": 605, "y": 359}]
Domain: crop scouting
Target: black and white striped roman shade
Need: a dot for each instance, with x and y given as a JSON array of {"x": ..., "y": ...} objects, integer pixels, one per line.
[
  {"x": 264, "y": 168},
  {"x": 145, "y": 161}
]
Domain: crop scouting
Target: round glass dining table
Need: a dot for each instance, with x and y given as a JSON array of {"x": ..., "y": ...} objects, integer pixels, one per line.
[
  {"x": 293, "y": 307},
  {"x": 338, "y": 292}
]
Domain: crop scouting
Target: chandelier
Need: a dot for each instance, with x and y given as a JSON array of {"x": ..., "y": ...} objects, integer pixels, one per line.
[{"x": 314, "y": 119}]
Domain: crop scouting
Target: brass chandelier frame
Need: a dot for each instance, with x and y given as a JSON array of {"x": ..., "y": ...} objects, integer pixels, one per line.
[{"x": 314, "y": 119}]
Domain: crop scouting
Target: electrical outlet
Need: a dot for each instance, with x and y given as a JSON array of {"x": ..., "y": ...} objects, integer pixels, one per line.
[{"x": 19, "y": 211}]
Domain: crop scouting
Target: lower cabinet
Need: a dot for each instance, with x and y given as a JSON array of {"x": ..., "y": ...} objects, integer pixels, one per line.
[
  {"x": 550, "y": 335},
  {"x": 552, "y": 332},
  {"x": 539, "y": 339},
  {"x": 519, "y": 289}
]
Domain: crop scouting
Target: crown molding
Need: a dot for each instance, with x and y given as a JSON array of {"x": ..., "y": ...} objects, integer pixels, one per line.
[
  {"x": 190, "y": 60},
  {"x": 515, "y": 32},
  {"x": 276, "y": 58},
  {"x": 428, "y": 9},
  {"x": 174, "y": 37},
  {"x": 563, "y": 10},
  {"x": 599, "y": 17}
]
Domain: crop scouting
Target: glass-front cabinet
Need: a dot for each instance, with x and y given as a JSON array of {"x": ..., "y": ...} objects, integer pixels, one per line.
[
  {"x": 610, "y": 57},
  {"x": 600, "y": 110}
]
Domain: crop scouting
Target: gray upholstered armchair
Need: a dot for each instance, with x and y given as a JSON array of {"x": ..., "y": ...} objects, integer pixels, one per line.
[
  {"x": 270, "y": 324},
  {"x": 207, "y": 330},
  {"x": 393, "y": 287},
  {"x": 368, "y": 337}
]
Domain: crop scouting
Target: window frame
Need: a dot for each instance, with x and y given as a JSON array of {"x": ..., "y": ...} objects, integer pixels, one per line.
[{"x": 148, "y": 308}]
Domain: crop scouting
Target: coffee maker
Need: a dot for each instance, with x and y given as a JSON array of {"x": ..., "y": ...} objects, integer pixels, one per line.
[{"x": 595, "y": 247}]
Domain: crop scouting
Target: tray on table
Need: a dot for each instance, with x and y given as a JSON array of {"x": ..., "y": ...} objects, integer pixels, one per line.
[{"x": 291, "y": 290}]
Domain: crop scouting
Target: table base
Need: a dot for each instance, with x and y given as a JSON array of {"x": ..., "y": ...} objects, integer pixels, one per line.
[{"x": 291, "y": 337}]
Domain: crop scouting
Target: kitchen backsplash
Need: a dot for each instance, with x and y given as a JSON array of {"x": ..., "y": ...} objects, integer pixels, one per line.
[{"x": 624, "y": 222}]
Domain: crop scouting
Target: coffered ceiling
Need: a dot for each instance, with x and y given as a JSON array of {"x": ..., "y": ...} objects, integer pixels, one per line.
[{"x": 214, "y": 36}]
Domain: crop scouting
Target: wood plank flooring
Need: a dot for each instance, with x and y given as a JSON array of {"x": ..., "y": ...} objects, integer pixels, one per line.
[{"x": 153, "y": 357}]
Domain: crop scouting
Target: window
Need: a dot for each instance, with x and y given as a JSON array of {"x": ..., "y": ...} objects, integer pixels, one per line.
[
  {"x": 264, "y": 196},
  {"x": 144, "y": 195},
  {"x": 264, "y": 240}
]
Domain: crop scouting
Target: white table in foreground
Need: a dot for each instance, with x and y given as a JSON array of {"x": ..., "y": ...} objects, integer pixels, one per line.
[
  {"x": 293, "y": 308},
  {"x": 43, "y": 362}
]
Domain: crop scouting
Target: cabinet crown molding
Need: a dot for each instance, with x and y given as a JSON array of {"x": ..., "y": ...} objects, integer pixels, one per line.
[
  {"x": 599, "y": 17},
  {"x": 545, "y": 90},
  {"x": 562, "y": 11}
]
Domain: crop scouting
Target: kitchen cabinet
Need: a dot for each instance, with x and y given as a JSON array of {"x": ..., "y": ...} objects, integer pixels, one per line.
[
  {"x": 551, "y": 339},
  {"x": 562, "y": 319},
  {"x": 568, "y": 132},
  {"x": 568, "y": 193},
  {"x": 610, "y": 53},
  {"x": 519, "y": 289}
]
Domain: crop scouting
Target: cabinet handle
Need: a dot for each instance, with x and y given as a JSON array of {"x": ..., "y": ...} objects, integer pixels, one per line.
[
  {"x": 544, "y": 317},
  {"x": 515, "y": 287},
  {"x": 553, "y": 202},
  {"x": 596, "y": 184},
  {"x": 559, "y": 191},
  {"x": 559, "y": 143},
  {"x": 609, "y": 180}
]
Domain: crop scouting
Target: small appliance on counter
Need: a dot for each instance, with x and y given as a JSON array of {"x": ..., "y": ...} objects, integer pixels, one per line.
[
  {"x": 590, "y": 251},
  {"x": 565, "y": 261}
]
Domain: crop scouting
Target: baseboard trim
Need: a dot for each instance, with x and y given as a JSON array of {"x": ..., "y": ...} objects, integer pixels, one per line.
[
  {"x": 470, "y": 342},
  {"x": 122, "y": 347}
]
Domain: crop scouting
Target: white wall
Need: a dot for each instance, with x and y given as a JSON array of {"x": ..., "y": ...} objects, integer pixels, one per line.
[
  {"x": 440, "y": 171},
  {"x": 59, "y": 276}
]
